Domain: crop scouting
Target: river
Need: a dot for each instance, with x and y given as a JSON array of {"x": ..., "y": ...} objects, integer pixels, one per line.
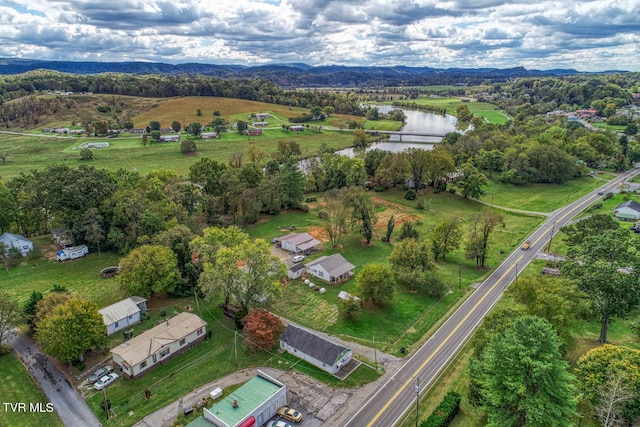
[{"x": 418, "y": 122}]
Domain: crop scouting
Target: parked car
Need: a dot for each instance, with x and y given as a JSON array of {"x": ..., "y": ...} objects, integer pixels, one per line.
[
  {"x": 290, "y": 414},
  {"x": 106, "y": 380},
  {"x": 278, "y": 424},
  {"x": 298, "y": 258},
  {"x": 100, "y": 373}
]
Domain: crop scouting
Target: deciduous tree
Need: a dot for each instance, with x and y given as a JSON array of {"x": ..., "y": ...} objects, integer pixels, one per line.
[
  {"x": 480, "y": 228},
  {"x": 261, "y": 329},
  {"x": 414, "y": 268},
  {"x": 607, "y": 268},
  {"x": 446, "y": 237},
  {"x": 362, "y": 211},
  {"x": 336, "y": 220},
  {"x": 149, "y": 269},
  {"x": 71, "y": 329},
  {"x": 609, "y": 378},
  {"x": 555, "y": 299},
  {"x": 374, "y": 283},
  {"x": 11, "y": 317}
]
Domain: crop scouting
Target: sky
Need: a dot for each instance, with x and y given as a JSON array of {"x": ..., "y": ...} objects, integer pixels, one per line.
[{"x": 585, "y": 35}]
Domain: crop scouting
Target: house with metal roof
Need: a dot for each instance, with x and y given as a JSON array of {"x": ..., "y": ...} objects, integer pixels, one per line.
[
  {"x": 332, "y": 268},
  {"x": 251, "y": 405},
  {"x": 123, "y": 313},
  {"x": 156, "y": 346},
  {"x": 22, "y": 244},
  {"x": 299, "y": 243},
  {"x": 627, "y": 211},
  {"x": 315, "y": 349}
]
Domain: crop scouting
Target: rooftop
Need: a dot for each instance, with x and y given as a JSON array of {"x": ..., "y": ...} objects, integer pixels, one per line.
[
  {"x": 119, "y": 310},
  {"x": 249, "y": 396},
  {"x": 335, "y": 265},
  {"x": 149, "y": 342},
  {"x": 314, "y": 345}
]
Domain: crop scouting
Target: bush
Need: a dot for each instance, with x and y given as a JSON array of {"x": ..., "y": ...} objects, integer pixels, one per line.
[
  {"x": 304, "y": 208},
  {"x": 379, "y": 188},
  {"x": 452, "y": 190},
  {"x": 608, "y": 196},
  {"x": 323, "y": 214},
  {"x": 188, "y": 146},
  {"x": 445, "y": 412},
  {"x": 410, "y": 195}
]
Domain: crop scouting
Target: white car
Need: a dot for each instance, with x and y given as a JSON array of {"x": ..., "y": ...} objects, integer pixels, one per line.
[
  {"x": 298, "y": 258},
  {"x": 278, "y": 424},
  {"x": 106, "y": 380}
]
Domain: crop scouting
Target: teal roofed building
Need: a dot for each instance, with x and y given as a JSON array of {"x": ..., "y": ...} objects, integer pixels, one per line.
[{"x": 251, "y": 405}]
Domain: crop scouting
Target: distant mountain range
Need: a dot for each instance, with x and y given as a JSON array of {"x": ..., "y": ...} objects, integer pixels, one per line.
[{"x": 292, "y": 75}]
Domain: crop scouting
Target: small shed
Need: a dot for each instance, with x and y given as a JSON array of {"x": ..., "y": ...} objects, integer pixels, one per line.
[
  {"x": 550, "y": 271},
  {"x": 294, "y": 271},
  {"x": 296, "y": 243}
]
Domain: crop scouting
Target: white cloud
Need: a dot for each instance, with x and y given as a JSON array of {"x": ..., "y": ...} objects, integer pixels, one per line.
[{"x": 589, "y": 35}]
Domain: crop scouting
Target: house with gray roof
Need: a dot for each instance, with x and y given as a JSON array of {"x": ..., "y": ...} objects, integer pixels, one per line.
[
  {"x": 627, "y": 211},
  {"x": 315, "y": 349},
  {"x": 123, "y": 313},
  {"x": 22, "y": 244},
  {"x": 299, "y": 243},
  {"x": 332, "y": 268}
]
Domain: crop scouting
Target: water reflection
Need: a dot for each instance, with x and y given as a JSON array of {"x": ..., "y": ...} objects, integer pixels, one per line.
[{"x": 394, "y": 147}]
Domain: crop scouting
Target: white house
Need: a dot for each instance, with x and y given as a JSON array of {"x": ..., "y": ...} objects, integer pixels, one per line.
[
  {"x": 22, "y": 244},
  {"x": 253, "y": 404},
  {"x": 123, "y": 313},
  {"x": 157, "y": 345},
  {"x": 333, "y": 268},
  {"x": 299, "y": 243},
  {"x": 315, "y": 349},
  {"x": 296, "y": 128},
  {"x": 628, "y": 211}
]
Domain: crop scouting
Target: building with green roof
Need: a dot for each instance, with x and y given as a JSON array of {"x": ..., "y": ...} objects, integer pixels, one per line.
[{"x": 253, "y": 404}]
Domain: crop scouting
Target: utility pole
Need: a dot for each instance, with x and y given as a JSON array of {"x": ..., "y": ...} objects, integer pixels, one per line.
[
  {"x": 553, "y": 229},
  {"x": 417, "y": 400},
  {"x": 235, "y": 348},
  {"x": 460, "y": 276},
  {"x": 375, "y": 354}
]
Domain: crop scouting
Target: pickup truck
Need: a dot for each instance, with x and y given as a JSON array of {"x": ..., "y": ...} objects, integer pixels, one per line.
[{"x": 526, "y": 246}]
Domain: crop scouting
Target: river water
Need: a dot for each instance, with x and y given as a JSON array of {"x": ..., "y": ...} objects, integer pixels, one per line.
[{"x": 417, "y": 122}]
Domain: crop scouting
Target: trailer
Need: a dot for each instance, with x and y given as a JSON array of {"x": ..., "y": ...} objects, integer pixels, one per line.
[{"x": 72, "y": 253}]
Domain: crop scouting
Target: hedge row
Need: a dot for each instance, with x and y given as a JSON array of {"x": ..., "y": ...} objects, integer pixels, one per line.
[{"x": 445, "y": 412}]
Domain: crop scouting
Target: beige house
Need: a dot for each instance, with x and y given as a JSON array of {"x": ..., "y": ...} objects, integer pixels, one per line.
[{"x": 157, "y": 345}]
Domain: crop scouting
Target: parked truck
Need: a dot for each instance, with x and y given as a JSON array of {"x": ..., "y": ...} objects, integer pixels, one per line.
[{"x": 72, "y": 253}]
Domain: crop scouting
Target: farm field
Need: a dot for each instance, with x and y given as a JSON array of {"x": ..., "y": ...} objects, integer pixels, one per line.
[{"x": 17, "y": 386}]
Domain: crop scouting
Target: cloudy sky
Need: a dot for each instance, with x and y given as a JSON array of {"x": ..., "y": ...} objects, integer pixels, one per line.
[{"x": 586, "y": 35}]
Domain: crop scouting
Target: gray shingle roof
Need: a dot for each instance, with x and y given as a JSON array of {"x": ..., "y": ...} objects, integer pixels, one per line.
[
  {"x": 118, "y": 311},
  {"x": 631, "y": 204},
  {"x": 336, "y": 265},
  {"x": 314, "y": 345}
]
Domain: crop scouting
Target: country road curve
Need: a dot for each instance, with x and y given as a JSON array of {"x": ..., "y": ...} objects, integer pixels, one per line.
[{"x": 388, "y": 405}]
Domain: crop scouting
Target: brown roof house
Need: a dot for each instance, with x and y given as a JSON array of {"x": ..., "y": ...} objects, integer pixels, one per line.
[{"x": 157, "y": 345}]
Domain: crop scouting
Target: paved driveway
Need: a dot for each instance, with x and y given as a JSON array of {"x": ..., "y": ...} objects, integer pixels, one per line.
[{"x": 70, "y": 406}]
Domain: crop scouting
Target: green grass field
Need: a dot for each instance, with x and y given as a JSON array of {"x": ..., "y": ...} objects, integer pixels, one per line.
[
  {"x": 17, "y": 386},
  {"x": 538, "y": 197},
  {"x": 39, "y": 272},
  {"x": 484, "y": 109}
]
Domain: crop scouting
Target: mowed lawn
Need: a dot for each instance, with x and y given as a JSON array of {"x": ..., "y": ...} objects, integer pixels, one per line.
[
  {"x": 17, "y": 386},
  {"x": 39, "y": 272},
  {"x": 538, "y": 197}
]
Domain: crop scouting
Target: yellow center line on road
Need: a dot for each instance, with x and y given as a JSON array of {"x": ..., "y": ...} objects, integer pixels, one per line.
[{"x": 427, "y": 360}]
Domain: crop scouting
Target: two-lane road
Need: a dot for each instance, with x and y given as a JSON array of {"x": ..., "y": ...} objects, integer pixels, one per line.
[{"x": 389, "y": 403}]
